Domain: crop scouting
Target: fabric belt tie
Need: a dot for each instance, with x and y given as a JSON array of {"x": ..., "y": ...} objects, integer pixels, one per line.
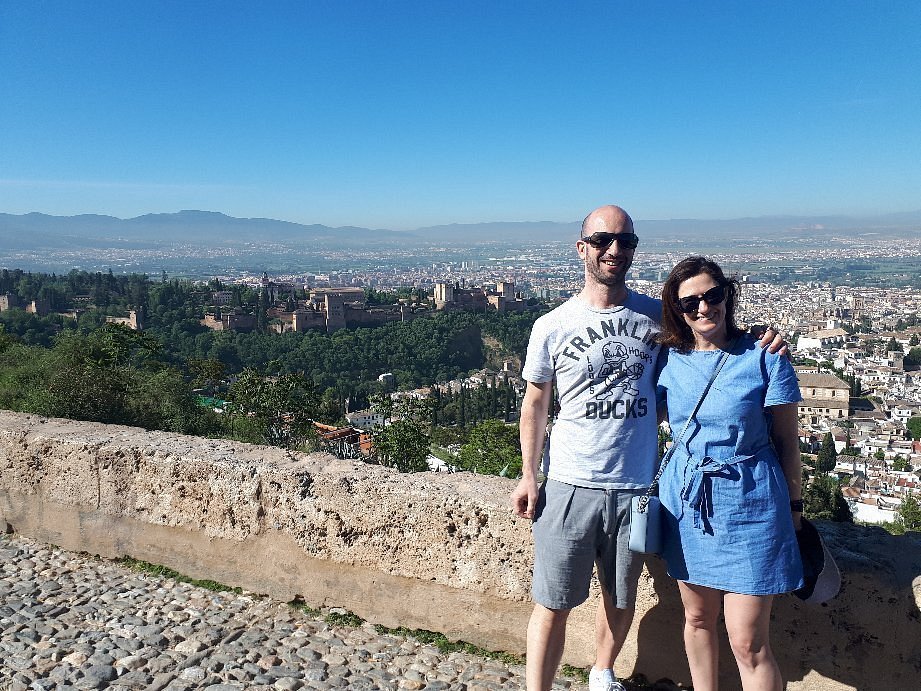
[{"x": 697, "y": 492}]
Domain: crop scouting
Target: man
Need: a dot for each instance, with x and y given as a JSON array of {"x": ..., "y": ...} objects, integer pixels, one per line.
[{"x": 600, "y": 348}]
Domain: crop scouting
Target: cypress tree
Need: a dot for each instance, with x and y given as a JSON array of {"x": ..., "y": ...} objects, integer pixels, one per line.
[{"x": 825, "y": 462}]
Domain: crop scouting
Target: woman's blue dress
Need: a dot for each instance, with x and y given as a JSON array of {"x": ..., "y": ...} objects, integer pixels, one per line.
[{"x": 727, "y": 521}]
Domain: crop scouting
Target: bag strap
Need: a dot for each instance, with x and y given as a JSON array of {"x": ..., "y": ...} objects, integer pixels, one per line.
[{"x": 644, "y": 500}]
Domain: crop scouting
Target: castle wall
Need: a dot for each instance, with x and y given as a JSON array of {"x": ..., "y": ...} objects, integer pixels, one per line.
[
  {"x": 302, "y": 320},
  {"x": 429, "y": 550},
  {"x": 372, "y": 317}
]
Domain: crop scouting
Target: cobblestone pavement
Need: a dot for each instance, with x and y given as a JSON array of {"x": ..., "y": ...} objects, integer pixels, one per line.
[{"x": 70, "y": 621}]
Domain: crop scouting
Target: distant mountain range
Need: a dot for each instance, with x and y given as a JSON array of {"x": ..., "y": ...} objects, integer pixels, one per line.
[
  {"x": 895, "y": 225},
  {"x": 36, "y": 231}
]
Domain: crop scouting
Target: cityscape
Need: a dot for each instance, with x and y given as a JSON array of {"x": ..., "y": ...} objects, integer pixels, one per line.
[
  {"x": 850, "y": 318},
  {"x": 839, "y": 334}
]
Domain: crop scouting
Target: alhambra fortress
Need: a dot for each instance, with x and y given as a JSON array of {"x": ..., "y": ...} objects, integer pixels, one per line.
[{"x": 433, "y": 551}]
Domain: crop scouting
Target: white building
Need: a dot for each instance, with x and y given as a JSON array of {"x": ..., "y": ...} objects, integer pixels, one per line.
[{"x": 824, "y": 338}]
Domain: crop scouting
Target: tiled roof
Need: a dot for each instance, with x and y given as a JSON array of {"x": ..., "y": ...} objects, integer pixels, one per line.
[{"x": 827, "y": 381}]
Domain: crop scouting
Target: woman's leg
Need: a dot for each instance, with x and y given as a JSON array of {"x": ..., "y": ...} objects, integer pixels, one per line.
[
  {"x": 748, "y": 621},
  {"x": 701, "y": 611}
]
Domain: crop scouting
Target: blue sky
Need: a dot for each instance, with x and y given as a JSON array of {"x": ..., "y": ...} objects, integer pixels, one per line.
[{"x": 403, "y": 114}]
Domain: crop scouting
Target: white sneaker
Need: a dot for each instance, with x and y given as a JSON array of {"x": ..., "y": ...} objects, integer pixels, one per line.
[
  {"x": 604, "y": 681},
  {"x": 606, "y": 686}
]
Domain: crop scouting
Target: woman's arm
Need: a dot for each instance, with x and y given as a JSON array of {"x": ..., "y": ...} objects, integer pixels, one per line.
[{"x": 785, "y": 436}]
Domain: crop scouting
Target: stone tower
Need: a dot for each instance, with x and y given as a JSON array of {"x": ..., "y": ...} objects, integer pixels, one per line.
[
  {"x": 444, "y": 294},
  {"x": 335, "y": 312}
]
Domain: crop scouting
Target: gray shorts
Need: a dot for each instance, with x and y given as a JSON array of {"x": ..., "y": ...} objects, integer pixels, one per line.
[{"x": 574, "y": 529}]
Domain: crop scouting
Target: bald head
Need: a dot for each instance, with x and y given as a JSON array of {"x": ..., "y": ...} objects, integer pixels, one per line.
[{"x": 607, "y": 219}]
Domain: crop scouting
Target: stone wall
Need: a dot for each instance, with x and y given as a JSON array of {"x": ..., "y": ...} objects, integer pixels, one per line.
[{"x": 432, "y": 551}]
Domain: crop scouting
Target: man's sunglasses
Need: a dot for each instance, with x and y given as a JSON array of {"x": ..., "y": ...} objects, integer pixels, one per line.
[
  {"x": 714, "y": 296},
  {"x": 601, "y": 241}
]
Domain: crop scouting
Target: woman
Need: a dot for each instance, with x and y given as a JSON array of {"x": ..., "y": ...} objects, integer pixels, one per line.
[{"x": 730, "y": 524}]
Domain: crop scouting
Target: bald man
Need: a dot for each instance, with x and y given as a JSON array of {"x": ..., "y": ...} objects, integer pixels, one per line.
[{"x": 600, "y": 347}]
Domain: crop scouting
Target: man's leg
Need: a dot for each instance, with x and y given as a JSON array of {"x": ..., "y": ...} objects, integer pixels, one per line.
[
  {"x": 546, "y": 636},
  {"x": 618, "y": 573},
  {"x": 611, "y": 627},
  {"x": 565, "y": 534}
]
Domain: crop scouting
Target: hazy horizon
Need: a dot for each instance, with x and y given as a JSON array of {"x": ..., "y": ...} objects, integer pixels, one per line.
[
  {"x": 202, "y": 244},
  {"x": 913, "y": 214}
]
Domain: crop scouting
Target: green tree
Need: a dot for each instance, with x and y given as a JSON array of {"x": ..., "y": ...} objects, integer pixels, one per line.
[
  {"x": 462, "y": 413},
  {"x": 492, "y": 448},
  {"x": 94, "y": 376},
  {"x": 893, "y": 345},
  {"x": 377, "y": 297},
  {"x": 879, "y": 455},
  {"x": 901, "y": 465},
  {"x": 331, "y": 407},
  {"x": 5, "y": 339},
  {"x": 825, "y": 462},
  {"x": 449, "y": 436},
  {"x": 402, "y": 445},
  {"x": 403, "y": 440},
  {"x": 111, "y": 375},
  {"x": 806, "y": 461},
  {"x": 206, "y": 373},
  {"x": 908, "y": 514},
  {"x": 511, "y": 402},
  {"x": 914, "y": 427},
  {"x": 276, "y": 411},
  {"x": 849, "y": 450},
  {"x": 913, "y": 358},
  {"x": 163, "y": 400},
  {"x": 823, "y": 500},
  {"x": 913, "y": 341},
  {"x": 854, "y": 383}
]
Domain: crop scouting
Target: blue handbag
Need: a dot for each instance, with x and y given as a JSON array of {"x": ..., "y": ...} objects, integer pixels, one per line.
[{"x": 646, "y": 510}]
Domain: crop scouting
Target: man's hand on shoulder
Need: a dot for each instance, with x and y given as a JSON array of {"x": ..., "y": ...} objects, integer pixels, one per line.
[
  {"x": 524, "y": 498},
  {"x": 770, "y": 339}
]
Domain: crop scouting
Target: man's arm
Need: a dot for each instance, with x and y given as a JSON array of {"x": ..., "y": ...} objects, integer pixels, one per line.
[
  {"x": 785, "y": 436},
  {"x": 533, "y": 427}
]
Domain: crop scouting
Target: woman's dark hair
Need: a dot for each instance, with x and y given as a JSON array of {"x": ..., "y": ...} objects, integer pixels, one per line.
[{"x": 675, "y": 331}]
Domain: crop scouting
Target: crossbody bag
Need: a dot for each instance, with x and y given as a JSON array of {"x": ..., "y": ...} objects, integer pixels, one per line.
[{"x": 646, "y": 510}]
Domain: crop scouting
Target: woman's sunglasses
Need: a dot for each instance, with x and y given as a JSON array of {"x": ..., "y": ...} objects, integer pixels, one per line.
[
  {"x": 601, "y": 241},
  {"x": 714, "y": 296}
]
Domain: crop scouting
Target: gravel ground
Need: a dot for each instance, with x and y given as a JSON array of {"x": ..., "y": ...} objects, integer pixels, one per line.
[{"x": 71, "y": 621}]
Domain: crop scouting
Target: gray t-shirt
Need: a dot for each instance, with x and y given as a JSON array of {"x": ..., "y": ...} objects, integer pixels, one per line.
[{"x": 604, "y": 363}]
